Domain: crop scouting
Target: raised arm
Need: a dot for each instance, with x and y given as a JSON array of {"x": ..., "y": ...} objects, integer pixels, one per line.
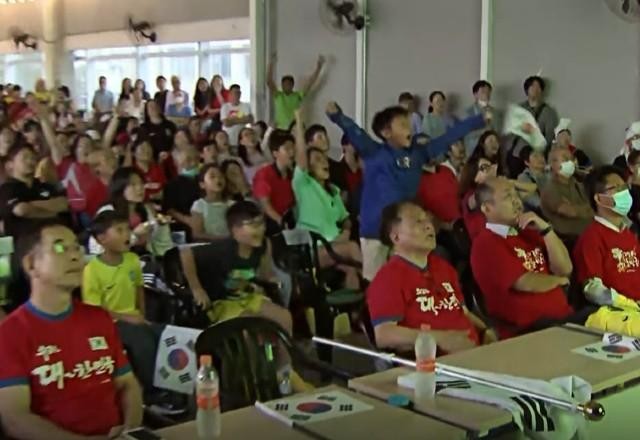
[
  {"x": 440, "y": 145},
  {"x": 361, "y": 141},
  {"x": 301, "y": 145},
  {"x": 313, "y": 79},
  {"x": 49, "y": 134},
  {"x": 271, "y": 83}
]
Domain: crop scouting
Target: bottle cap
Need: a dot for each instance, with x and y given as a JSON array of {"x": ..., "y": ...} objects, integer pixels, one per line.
[{"x": 205, "y": 359}]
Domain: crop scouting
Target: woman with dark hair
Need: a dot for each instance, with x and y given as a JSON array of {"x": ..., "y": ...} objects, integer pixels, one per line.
[
  {"x": 437, "y": 121},
  {"x": 237, "y": 185},
  {"x": 202, "y": 99},
  {"x": 219, "y": 96},
  {"x": 140, "y": 85},
  {"x": 488, "y": 146},
  {"x": 250, "y": 153},
  {"x": 126, "y": 89},
  {"x": 153, "y": 175},
  {"x": 476, "y": 171}
]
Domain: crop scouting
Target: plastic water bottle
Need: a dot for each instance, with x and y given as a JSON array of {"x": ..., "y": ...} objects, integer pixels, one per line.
[
  {"x": 425, "y": 383},
  {"x": 208, "y": 419}
]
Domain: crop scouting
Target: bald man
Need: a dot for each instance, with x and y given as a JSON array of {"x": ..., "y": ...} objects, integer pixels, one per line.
[
  {"x": 534, "y": 263},
  {"x": 564, "y": 200}
]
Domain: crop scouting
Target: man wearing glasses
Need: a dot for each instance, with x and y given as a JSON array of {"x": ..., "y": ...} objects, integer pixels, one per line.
[
  {"x": 607, "y": 255},
  {"x": 63, "y": 373}
]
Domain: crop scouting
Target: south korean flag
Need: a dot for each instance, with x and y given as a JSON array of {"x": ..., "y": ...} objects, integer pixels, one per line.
[{"x": 176, "y": 363}]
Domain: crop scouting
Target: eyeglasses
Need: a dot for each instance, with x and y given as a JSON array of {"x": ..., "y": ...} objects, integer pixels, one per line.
[
  {"x": 257, "y": 221},
  {"x": 486, "y": 167}
]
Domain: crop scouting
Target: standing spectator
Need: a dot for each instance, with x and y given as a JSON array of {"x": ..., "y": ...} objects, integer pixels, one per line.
[
  {"x": 159, "y": 131},
  {"x": 235, "y": 115},
  {"x": 219, "y": 96},
  {"x": 437, "y": 121},
  {"x": 102, "y": 99},
  {"x": 202, "y": 98},
  {"x": 179, "y": 108},
  {"x": 564, "y": 201},
  {"x": 42, "y": 94},
  {"x": 140, "y": 85},
  {"x": 176, "y": 94},
  {"x": 161, "y": 95},
  {"x": 126, "y": 89},
  {"x": 534, "y": 173},
  {"x": 286, "y": 101},
  {"x": 408, "y": 101},
  {"x": 182, "y": 191},
  {"x": 481, "y": 102},
  {"x": 136, "y": 105}
]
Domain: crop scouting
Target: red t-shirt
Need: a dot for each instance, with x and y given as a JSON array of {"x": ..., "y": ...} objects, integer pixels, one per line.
[
  {"x": 78, "y": 179},
  {"x": 154, "y": 180},
  {"x": 404, "y": 293},
  {"x": 611, "y": 256},
  {"x": 97, "y": 195},
  {"x": 438, "y": 193},
  {"x": 474, "y": 221},
  {"x": 63, "y": 167},
  {"x": 498, "y": 262},
  {"x": 69, "y": 362},
  {"x": 269, "y": 183}
]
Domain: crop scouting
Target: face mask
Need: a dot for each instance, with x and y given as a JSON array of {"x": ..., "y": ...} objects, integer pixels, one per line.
[
  {"x": 622, "y": 202},
  {"x": 189, "y": 172},
  {"x": 635, "y": 144},
  {"x": 483, "y": 103},
  {"x": 179, "y": 100},
  {"x": 567, "y": 168}
]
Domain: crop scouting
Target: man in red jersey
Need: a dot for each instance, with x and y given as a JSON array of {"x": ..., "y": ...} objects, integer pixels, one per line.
[
  {"x": 518, "y": 261},
  {"x": 416, "y": 287},
  {"x": 63, "y": 373}
]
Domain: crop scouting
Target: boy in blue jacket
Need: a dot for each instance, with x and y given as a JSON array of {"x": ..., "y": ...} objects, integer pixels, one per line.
[{"x": 392, "y": 168}]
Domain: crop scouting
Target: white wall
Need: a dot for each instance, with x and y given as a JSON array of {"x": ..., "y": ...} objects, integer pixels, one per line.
[
  {"x": 421, "y": 46},
  {"x": 590, "y": 56},
  {"x": 298, "y": 35}
]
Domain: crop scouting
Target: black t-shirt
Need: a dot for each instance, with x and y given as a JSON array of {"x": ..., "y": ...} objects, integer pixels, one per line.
[
  {"x": 14, "y": 192},
  {"x": 160, "y": 136},
  {"x": 338, "y": 174},
  {"x": 180, "y": 193},
  {"x": 221, "y": 270},
  {"x": 161, "y": 99}
]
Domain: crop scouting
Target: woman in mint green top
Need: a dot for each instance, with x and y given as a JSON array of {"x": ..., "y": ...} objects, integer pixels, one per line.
[{"x": 320, "y": 206}]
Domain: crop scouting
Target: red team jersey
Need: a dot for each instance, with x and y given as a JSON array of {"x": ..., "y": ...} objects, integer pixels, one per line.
[
  {"x": 438, "y": 194},
  {"x": 474, "y": 221},
  {"x": 612, "y": 256},
  {"x": 69, "y": 361},
  {"x": 499, "y": 262},
  {"x": 404, "y": 293}
]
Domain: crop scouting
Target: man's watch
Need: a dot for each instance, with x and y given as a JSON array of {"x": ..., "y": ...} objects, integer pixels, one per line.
[{"x": 546, "y": 230}]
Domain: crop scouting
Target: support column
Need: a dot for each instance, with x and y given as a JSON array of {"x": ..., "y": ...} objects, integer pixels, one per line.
[
  {"x": 52, "y": 41},
  {"x": 362, "y": 49},
  {"x": 486, "y": 41},
  {"x": 258, "y": 22}
]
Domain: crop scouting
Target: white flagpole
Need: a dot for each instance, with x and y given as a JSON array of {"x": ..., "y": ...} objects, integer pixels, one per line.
[{"x": 591, "y": 410}]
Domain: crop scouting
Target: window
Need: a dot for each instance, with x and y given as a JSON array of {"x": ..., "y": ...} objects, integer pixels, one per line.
[
  {"x": 189, "y": 61},
  {"x": 23, "y": 69}
]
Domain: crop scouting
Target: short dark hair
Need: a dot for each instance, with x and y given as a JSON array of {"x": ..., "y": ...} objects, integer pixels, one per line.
[
  {"x": 106, "y": 220},
  {"x": 159, "y": 77},
  {"x": 17, "y": 88},
  {"x": 312, "y": 130},
  {"x": 480, "y": 84},
  {"x": 205, "y": 169},
  {"x": 16, "y": 148},
  {"x": 288, "y": 78},
  {"x": 535, "y": 78},
  {"x": 384, "y": 118},
  {"x": 633, "y": 157},
  {"x": 31, "y": 125},
  {"x": 32, "y": 237},
  {"x": 234, "y": 86},
  {"x": 525, "y": 153},
  {"x": 390, "y": 218},
  {"x": 102, "y": 77},
  {"x": 406, "y": 96},
  {"x": 278, "y": 138},
  {"x": 596, "y": 181},
  {"x": 241, "y": 212},
  {"x": 484, "y": 193}
]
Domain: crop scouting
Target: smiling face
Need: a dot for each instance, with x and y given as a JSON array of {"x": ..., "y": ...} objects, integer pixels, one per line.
[
  {"x": 57, "y": 260},
  {"x": 250, "y": 232}
]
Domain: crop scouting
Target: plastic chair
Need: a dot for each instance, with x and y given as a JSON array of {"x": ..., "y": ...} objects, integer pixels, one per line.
[
  {"x": 296, "y": 252},
  {"x": 244, "y": 353}
]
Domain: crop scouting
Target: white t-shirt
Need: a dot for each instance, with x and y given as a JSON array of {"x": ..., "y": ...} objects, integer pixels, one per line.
[
  {"x": 238, "y": 111},
  {"x": 214, "y": 216}
]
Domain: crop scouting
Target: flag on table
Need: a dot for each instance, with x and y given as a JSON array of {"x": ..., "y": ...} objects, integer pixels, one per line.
[{"x": 176, "y": 363}]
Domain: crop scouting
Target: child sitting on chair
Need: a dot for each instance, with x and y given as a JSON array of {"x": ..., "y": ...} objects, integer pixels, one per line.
[{"x": 416, "y": 287}]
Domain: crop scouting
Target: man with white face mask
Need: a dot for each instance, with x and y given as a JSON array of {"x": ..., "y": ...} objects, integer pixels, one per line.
[
  {"x": 607, "y": 255},
  {"x": 631, "y": 142},
  {"x": 564, "y": 201}
]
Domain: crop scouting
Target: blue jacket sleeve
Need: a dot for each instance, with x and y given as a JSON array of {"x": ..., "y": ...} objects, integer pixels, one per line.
[
  {"x": 441, "y": 144},
  {"x": 361, "y": 141}
]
